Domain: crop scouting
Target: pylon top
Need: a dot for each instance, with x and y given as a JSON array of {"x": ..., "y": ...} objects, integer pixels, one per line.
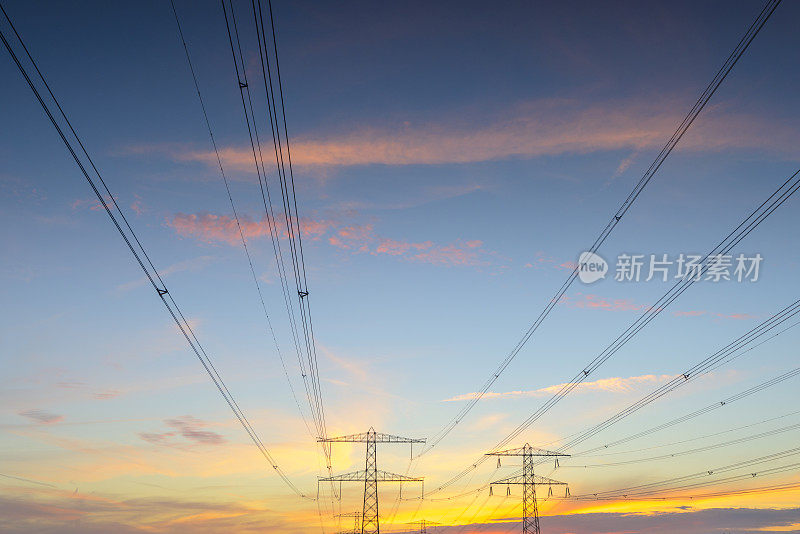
[
  {"x": 526, "y": 450},
  {"x": 380, "y": 476},
  {"x": 370, "y": 435},
  {"x": 520, "y": 479}
]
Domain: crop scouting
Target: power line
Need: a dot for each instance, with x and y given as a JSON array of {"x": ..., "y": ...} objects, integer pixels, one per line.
[
  {"x": 28, "y": 480},
  {"x": 697, "y": 413},
  {"x": 679, "y": 420},
  {"x": 696, "y": 438},
  {"x": 270, "y": 329},
  {"x": 290, "y": 212},
  {"x": 773, "y": 322},
  {"x": 130, "y": 237},
  {"x": 709, "y": 91},
  {"x": 750, "y": 223},
  {"x": 255, "y": 144},
  {"x": 288, "y": 191},
  {"x": 643, "y": 489},
  {"x": 735, "y": 349},
  {"x": 289, "y": 204},
  {"x": 745, "y": 491},
  {"x": 695, "y": 450}
]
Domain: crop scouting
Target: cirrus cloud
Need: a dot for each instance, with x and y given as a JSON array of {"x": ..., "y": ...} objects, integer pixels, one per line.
[
  {"x": 532, "y": 129},
  {"x": 609, "y": 385},
  {"x": 211, "y": 228},
  {"x": 42, "y": 416}
]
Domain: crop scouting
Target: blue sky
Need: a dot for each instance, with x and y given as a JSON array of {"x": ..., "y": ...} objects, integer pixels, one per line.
[{"x": 450, "y": 158}]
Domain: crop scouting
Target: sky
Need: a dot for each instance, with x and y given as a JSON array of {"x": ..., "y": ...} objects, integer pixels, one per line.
[{"x": 452, "y": 160}]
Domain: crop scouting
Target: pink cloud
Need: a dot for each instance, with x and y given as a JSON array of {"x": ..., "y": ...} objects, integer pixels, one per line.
[
  {"x": 542, "y": 260},
  {"x": 690, "y": 313},
  {"x": 137, "y": 205},
  {"x": 355, "y": 238},
  {"x": 211, "y": 228},
  {"x": 459, "y": 253},
  {"x": 532, "y": 129},
  {"x": 595, "y": 302},
  {"x": 363, "y": 239},
  {"x": 589, "y": 301},
  {"x": 187, "y": 427},
  {"x": 736, "y": 316},
  {"x": 394, "y": 247},
  {"x": 91, "y": 203}
]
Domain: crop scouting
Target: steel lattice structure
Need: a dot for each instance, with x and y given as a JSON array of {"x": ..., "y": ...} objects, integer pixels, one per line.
[
  {"x": 423, "y": 525},
  {"x": 371, "y": 475},
  {"x": 356, "y": 522},
  {"x": 528, "y": 480}
]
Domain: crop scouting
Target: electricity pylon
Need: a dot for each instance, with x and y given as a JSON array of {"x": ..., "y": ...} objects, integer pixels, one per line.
[
  {"x": 528, "y": 481},
  {"x": 371, "y": 475},
  {"x": 356, "y": 522},
  {"x": 423, "y": 525}
]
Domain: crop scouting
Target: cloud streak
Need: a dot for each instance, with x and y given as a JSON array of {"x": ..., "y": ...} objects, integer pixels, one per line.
[
  {"x": 540, "y": 128},
  {"x": 42, "y": 416},
  {"x": 186, "y": 427},
  {"x": 213, "y": 229},
  {"x": 608, "y": 385}
]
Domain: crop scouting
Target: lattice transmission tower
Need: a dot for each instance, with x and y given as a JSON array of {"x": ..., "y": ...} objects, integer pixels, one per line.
[
  {"x": 423, "y": 525},
  {"x": 528, "y": 480},
  {"x": 371, "y": 475},
  {"x": 356, "y": 522}
]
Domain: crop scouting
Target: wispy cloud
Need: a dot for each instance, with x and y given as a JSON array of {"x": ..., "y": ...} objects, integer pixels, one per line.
[
  {"x": 187, "y": 427},
  {"x": 596, "y": 302},
  {"x": 609, "y": 385},
  {"x": 354, "y": 238},
  {"x": 137, "y": 205},
  {"x": 212, "y": 228},
  {"x": 12, "y": 186},
  {"x": 736, "y": 316},
  {"x": 42, "y": 416},
  {"x": 363, "y": 239},
  {"x": 690, "y": 313},
  {"x": 623, "y": 166},
  {"x": 90, "y": 203},
  {"x": 539, "y": 128},
  {"x": 588, "y": 301}
]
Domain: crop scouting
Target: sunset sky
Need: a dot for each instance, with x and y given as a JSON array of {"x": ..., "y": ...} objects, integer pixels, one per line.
[{"x": 452, "y": 161}]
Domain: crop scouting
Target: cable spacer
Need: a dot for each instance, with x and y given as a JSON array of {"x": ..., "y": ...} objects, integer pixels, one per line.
[{"x": 161, "y": 292}]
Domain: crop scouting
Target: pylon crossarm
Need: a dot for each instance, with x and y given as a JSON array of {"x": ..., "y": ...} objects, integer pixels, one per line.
[
  {"x": 377, "y": 437},
  {"x": 527, "y": 449},
  {"x": 520, "y": 479},
  {"x": 361, "y": 476}
]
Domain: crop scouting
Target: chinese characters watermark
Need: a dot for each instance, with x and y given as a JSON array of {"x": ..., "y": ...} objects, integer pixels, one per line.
[{"x": 662, "y": 267}]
